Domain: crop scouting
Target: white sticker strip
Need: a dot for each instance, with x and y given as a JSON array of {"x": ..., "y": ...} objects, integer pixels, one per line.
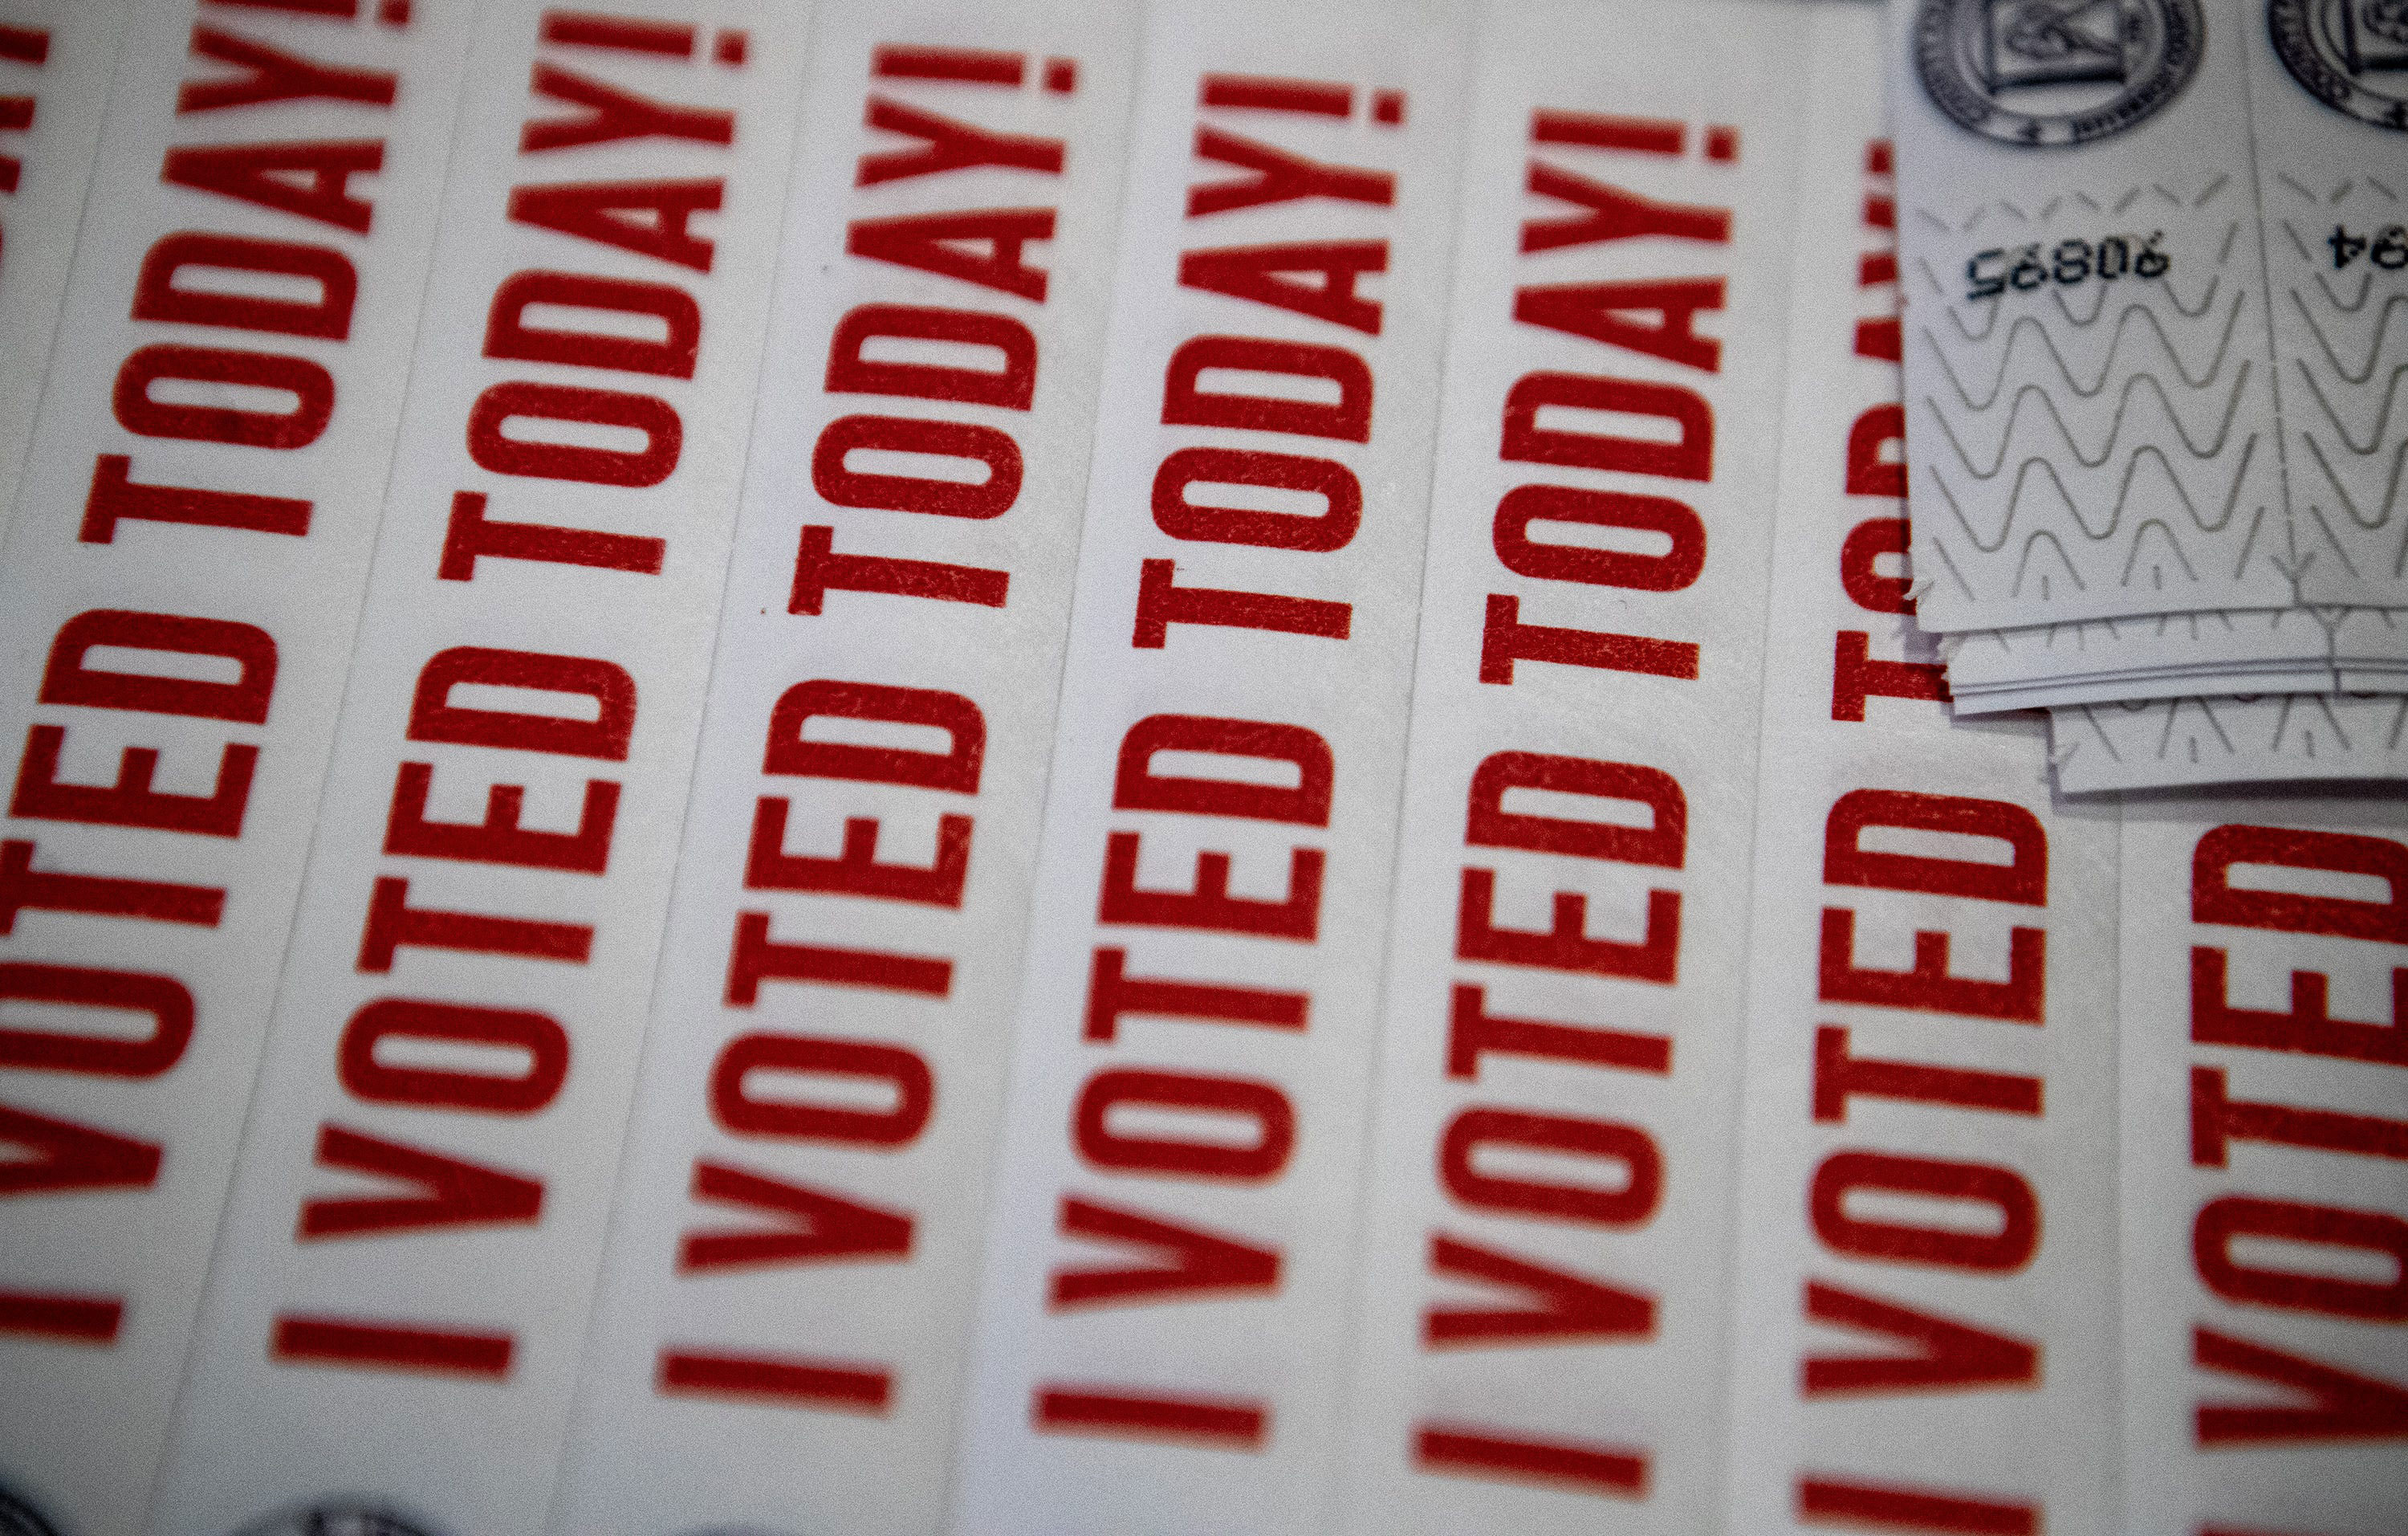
[
  {"x": 792, "y": 1264},
  {"x": 57, "y": 58},
  {"x": 176, "y": 619},
  {"x": 2186, "y": 742},
  {"x": 1545, "y": 1281},
  {"x": 2088, "y": 378},
  {"x": 417, "y": 1226},
  {"x": 2265, "y": 1167},
  {"x": 1925, "y": 1321},
  {"x": 1165, "y": 1299}
]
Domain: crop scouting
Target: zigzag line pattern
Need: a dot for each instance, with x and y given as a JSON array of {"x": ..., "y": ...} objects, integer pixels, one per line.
[
  {"x": 2297, "y": 719},
  {"x": 2210, "y": 190},
  {"x": 2381, "y": 512},
  {"x": 2031, "y": 326},
  {"x": 2141, "y": 543},
  {"x": 2339, "y": 190},
  {"x": 2103, "y": 437},
  {"x": 2115, "y": 513},
  {"x": 2188, "y": 312},
  {"x": 2133, "y": 384},
  {"x": 2397, "y": 303},
  {"x": 2332, "y": 355},
  {"x": 2374, "y": 433},
  {"x": 2042, "y": 565},
  {"x": 2365, "y": 289},
  {"x": 2342, "y": 340},
  {"x": 2165, "y": 740},
  {"x": 1990, "y": 309}
]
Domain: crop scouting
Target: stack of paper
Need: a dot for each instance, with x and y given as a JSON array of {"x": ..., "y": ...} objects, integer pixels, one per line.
[{"x": 2156, "y": 346}]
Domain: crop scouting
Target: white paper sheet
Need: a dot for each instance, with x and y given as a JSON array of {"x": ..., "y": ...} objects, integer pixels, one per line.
[
  {"x": 1544, "y": 1293},
  {"x": 1162, "y": 1323},
  {"x": 177, "y": 604},
  {"x": 795, "y": 1248},
  {"x": 416, "y": 1227}
]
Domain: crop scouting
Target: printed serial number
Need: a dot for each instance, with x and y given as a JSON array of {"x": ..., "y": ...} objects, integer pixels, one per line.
[
  {"x": 2387, "y": 248},
  {"x": 2068, "y": 264}
]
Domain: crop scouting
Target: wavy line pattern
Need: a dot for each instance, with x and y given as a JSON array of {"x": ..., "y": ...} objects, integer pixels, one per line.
[
  {"x": 2101, "y": 438},
  {"x": 2141, "y": 548},
  {"x": 2397, "y": 303},
  {"x": 2210, "y": 186},
  {"x": 2043, "y": 568},
  {"x": 2134, "y": 384},
  {"x": 2030, "y": 325},
  {"x": 2383, "y": 508},
  {"x": 2015, "y": 496},
  {"x": 1991, "y": 308},
  {"x": 2191, "y": 312},
  {"x": 2342, "y": 342},
  {"x": 2374, "y": 433},
  {"x": 2365, "y": 289}
]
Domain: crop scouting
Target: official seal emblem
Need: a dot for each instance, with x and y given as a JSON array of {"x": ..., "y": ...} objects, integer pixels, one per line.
[
  {"x": 2057, "y": 72},
  {"x": 335, "y": 1517},
  {"x": 2350, "y": 54}
]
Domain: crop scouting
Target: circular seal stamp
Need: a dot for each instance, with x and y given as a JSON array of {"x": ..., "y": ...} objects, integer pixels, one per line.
[
  {"x": 335, "y": 1517},
  {"x": 19, "y": 1517},
  {"x": 2350, "y": 54},
  {"x": 2057, "y": 72}
]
